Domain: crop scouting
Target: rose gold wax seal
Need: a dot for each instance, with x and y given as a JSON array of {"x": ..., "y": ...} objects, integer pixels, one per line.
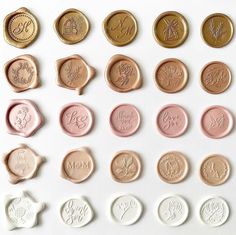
[
  {"x": 76, "y": 119},
  {"x": 74, "y": 73},
  {"x": 125, "y": 166},
  {"x": 172, "y": 167},
  {"x": 171, "y": 75},
  {"x": 217, "y": 122},
  {"x": 22, "y": 73},
  {"x": 172, "y": 120},
  {"x": 123, "y": 74},
  {"x": 125, "y": 120},
  {"x": 215, "y": 170},
  {"x": 77, "y": 165},
  {"x": 23, "y": 118},
  {"x": 22, "y": 163}
]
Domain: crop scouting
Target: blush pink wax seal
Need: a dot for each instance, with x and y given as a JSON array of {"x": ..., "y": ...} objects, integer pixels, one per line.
[
  {"x": 124, "y": 120},
  {"x": 217, "y": 122},
  {"x": 172, "y": 120},
  {"x": 76, "y": 119},
  {"x": 23, "y": 118}
]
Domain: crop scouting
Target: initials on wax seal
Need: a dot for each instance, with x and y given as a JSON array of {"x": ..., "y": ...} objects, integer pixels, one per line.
[
  {"x": 22, "y": 163},
  {"x": 120, "y": 28},
  {"x": 21, "y": 28},
  {"x": 22, "y": 73},
  {"x": 78, "y": 165},
  {"x": 123, "y": 74},
  {"x": 23, "y": 118},
  {"x": 72, "y": 26},
  {"x": 74, "y": 73}
]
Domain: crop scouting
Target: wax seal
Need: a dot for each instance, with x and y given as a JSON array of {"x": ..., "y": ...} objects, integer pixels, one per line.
[
  {"x": 76, "y": 212},
  {"x": 215, "y": 77},
  {"x": 217, "y": 30},
  {"x": 171, "y": 75},
  {"x": 125, "y": 166},
  {"x": 120, "y": 28},
  {"x": 126, "y": 209},
  {"x": 74, "y": 73},
  {"x": 217, "y": 122},
  {"x": 172, "y": 120},
  {"x": 23, "y": 118},
  {"x": 72, "y": 26},
  {"x": 78, "y": 165},
  {"x": 214, "y": 211},
  {"x": 172, "y": 167},
  {"x": 22, "y": 163},
  {"x": 21, "y": 28},
  {"x": 22, "y": 73},
  {"x": 172, "y": 210},
  {"x": 123, "y": 74},
  {"x": 76, "y": 119},
  {"x": 215, "y": 170},
  {"x": 125, "y": 120},
  {"x": 170, "y": 29},
  {"x": 22, "y": 211}
]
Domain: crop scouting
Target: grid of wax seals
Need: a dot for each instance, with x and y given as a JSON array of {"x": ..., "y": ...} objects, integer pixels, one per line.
[{"x": 122, "y": 74}]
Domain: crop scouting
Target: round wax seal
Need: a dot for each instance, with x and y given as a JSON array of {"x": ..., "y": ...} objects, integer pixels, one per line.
[
  {"x": 23, "y": 118},
  {"x": 76, "y": 119},
  {"x": 172, "y": 120},
  {"x": 124, "y": 120},
  {"x": 217, "y": 122},
  {"x": 20, "y": 28},
  {"x": 123, "y": 74}
]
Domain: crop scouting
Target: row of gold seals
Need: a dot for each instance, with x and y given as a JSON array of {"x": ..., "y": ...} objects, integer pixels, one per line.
[
  {"x": 122, "y": 74},
  {"x": 170, "y": 29}
]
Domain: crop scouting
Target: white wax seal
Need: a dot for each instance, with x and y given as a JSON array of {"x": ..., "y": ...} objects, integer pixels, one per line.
[
  {"x": 126, "y": 210},
  {"x": 21, "y": 211},
  {"x": 214, "y": 211},
  {"x": 76, "y": 212},
  {"x": 172, "y": 210}
]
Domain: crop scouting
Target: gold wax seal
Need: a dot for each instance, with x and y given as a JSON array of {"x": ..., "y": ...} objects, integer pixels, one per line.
[
  {"x": 120, "y": 28},
  {"x": 123, "y": 74},
  {"x": 170, "y": 29},
  {"x": 21, "y": 28},
  {"x": 72, "y": 26},
  {"x": 217, "y": 30}
]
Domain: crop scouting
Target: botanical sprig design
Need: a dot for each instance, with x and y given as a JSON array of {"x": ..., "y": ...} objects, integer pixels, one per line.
[
  {"x": 174, "y": 208},
  {"x": 124, "y": 207},
  {"x": 22, "y": 118},
  {"x": 73, "y": 74},
  {"x": 125, "y": 167},
  {"x": 125, "y": 71},
  {"x": 213, "y": 212},
  {"x": 217, "y": 30},
  {"x": 21, "y": 165}
]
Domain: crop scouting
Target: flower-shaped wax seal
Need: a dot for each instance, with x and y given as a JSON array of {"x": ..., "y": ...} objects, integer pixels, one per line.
[
  {"x": 22, "y": 163},
  {"x": 21, "y": 211},
  {"x": 23, "y": 118}
]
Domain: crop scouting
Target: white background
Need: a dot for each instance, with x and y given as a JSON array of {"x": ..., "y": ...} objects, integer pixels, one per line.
[{"x": 50, "y": 142}]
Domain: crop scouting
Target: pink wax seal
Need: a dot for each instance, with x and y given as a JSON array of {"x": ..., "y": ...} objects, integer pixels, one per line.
[
  {"x": 76, "y": 119},
  {"x": 23, "y": 118},
  {"x": 172, "y": 121},
  {"x": 217, "y": 122},
  {"x": 124, "y": 120}
]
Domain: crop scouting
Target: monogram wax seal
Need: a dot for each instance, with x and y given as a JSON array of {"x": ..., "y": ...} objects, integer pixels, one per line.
[
  {"x": 21, "y": 28},
  {"x": 72, "y": 26},
  {"x": 22, "y": 73},
  {"x": 214, "y": 211},
  {"x": 172, "y": 120},
  {"x": 78, "y": 165},
  {"x": 76, "y": 212},
  {"x": 74, "y": 73},
  {"x": 23, "y": 118},
  {"x": 76, "y": 119},
  {"x": 21, "y": 211},
  {"x": 125, "y": 120},
  {"x": 22, "y": 163},
  {"x": 120, "y": 27},
  {"x": 217, "y": 122},
  {"x": 123, "y": 74}
]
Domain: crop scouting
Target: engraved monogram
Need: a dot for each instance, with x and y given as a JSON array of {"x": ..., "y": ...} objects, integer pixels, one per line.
[
  {"x": 21, "y": 164},
  {"x": 70, "y": 27},
  {"x": 171, "y": 30},
  {"x": 217, "y": 30},
  {"x": 22, "y": 27},
  {"x": 22, "y": 118},
  {"x": 171, "y": 167},
  {"x": 216, "y": 76},
  {"x": 125, "y": 166},
  {"x": 76, "y": 119},
  {"x": 125, "y": 72},
  {"x": 169, "y": 120},
  {"x": 73, "y": 73},
  {"x": 215, "y": 171},
  {"x": 217, "y": 121},
  {"x": 75, "y": 165},
  {"x": 124, "y": 207},
  {"x": 174, "y": 208},
  {"x": 126, "y": 119}
]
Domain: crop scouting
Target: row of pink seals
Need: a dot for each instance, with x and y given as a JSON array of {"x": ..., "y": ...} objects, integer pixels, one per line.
[{"x": 24, "y": 118}]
